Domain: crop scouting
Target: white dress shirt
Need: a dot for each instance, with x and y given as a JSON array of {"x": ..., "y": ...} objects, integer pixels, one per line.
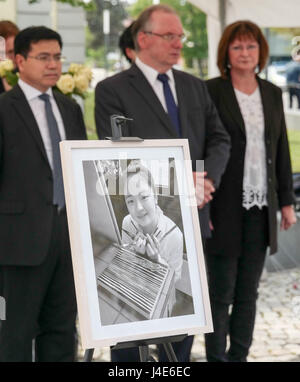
[
  {"x": 38, "y": 108},
  {"x": 157, "y": 86}
]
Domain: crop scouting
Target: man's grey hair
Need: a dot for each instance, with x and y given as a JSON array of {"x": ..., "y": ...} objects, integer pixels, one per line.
[{"x": 143, "y": 22}]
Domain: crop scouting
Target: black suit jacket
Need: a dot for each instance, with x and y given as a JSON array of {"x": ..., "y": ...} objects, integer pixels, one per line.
[
  {"x": 226, "y": 208},
  {"x": 2, "y": 90},
  {"x": 129, "y": 93},
  {"x": 26, "y": 183}
]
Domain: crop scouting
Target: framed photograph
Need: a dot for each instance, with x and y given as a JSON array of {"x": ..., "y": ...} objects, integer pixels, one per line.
[{"x": 135, "y": 238}]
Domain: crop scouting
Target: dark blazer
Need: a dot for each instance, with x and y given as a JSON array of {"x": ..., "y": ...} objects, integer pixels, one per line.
[
  {"x": 26, "y": 183},
  {"x": 226, "y": 208},
  {"x": 129, "y": 93},
  {"x": 2, "y": 90}
]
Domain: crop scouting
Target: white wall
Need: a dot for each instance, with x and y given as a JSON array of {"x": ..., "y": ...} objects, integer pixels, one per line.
[
  {"x": 67, "y": 20},
  {"x": 8, "y": 10}
]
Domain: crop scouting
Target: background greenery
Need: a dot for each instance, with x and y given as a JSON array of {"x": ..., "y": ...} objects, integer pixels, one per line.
[
  {"x": 89, "y": 118},
  {"x": 294, "y": 141}
]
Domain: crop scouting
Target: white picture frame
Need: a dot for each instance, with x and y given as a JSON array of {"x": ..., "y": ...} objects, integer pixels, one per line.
[{"x": 158, "y": 296}]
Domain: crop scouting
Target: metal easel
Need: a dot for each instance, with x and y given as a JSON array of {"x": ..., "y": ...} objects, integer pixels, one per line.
[{"x": 143, "y": 346}]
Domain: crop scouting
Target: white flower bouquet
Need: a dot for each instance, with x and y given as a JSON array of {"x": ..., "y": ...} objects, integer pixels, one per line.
[
  {"x": 74, "y": 82},
  {"x": 7, "y": 71}
]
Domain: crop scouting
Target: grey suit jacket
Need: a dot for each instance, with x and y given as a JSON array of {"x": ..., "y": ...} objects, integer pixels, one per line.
[{"x": 129, "y": 93}]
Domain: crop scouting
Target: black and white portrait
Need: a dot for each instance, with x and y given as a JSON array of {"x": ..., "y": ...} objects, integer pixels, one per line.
[
  {"x": 138, "y": 240},
  {"x": 135, "y": 238}
]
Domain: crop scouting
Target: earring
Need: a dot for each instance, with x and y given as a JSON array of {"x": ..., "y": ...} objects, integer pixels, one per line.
[{"x": 228, "y": 66}]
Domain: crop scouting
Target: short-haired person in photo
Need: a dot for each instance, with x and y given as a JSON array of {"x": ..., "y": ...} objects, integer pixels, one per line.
[
  {"x": 36, "y": 274},
  {"x": 146, "y": 228},
  {"x": 126, "y": 44},
  {"x": 8, "y": 30},
  {"x": 165, "y": 103},
  {"x": 256, "y": 184}
]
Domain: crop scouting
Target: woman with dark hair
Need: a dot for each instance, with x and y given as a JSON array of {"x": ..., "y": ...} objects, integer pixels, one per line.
[
  {"x": 126, "y": 44},
  {"x": 256, "y": 182},
  {"x": 8, "y": 30}
]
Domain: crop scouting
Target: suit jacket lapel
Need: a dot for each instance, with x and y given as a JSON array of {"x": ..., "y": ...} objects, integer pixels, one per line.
[
  {"x": 267, "y": 107},
  {"x": 64, "y": 113},
  {"x": 231, "y": 103},
  {"x": 141, "y": 85},
  {"x": 25, "y": 113},
  {"x": 229, "y": 98}
]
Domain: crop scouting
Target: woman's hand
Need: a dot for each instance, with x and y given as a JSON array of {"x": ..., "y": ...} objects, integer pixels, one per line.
[
  {"x": 139, "y": 243},
  {"x": 204, "y": 188},
  {"x": 288, "y": 217},
  {"x": 153, "y": 248}
]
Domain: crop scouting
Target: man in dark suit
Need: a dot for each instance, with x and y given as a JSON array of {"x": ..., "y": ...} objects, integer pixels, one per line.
[
  {"x": 166, "y": 103},
  {"x": 36, "y": 276}
]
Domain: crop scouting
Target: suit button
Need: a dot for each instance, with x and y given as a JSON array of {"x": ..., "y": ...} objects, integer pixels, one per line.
[
  {"x": 268, "y": 141},
  {"x": 270, "y": 180},
  {"x": 269, "y": 161}
]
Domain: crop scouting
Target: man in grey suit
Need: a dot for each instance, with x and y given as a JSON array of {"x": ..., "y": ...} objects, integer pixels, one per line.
[{"x": 166, "y": 103}]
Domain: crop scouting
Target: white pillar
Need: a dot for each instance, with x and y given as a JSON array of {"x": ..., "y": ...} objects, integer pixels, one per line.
[
  {"x": 53, "y": 14},
  {"x": 213, "y": 35}
]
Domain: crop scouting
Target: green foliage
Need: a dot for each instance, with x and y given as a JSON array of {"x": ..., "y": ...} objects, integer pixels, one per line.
[
  {"x": 97, "y": 57},
  {"x": 95, "y": 23},
  {"x": 294, "y": 141},
  {"x": 97, "y": 44},
  {"x": 287, "y": 31},
  {"x": 11, "y": 78},
  {"x": 74, "y": 3},
  {"x": 89, "y": 119},
  {"x": 195, "y": 50}
]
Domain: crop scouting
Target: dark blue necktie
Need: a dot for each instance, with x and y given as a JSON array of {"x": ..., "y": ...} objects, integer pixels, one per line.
[
  {"x": 58, "y": 188},
  {"x": 171, "y": 104}
]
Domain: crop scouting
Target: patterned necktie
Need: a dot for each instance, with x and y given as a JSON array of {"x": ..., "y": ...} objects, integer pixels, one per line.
[
  {"x": 58, "y": 188},
  {"x": 171, "y": 104}
]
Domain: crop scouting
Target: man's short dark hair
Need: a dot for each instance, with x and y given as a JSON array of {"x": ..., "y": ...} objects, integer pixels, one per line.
[
  {"x": 126, "y": 41},
  {"x": 33, "y": 35}
]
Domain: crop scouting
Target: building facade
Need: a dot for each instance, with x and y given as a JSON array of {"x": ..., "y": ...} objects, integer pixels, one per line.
[{"x": 67, "y": 20}]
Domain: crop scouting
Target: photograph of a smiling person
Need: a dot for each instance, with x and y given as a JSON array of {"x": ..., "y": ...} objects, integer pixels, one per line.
[{"x": 146, "y": 229}]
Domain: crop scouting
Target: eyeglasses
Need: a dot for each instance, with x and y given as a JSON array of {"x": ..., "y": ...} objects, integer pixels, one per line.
[
  {"x": 170, "y": 37},
  {"x": 47, "y": 58}
]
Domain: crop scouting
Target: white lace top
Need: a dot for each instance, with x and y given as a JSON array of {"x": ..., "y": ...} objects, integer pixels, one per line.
[{"x": 255, "y": 177}]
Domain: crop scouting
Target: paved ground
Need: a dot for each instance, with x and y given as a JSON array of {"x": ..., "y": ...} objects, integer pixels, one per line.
[{"x": 277, "y": 330}]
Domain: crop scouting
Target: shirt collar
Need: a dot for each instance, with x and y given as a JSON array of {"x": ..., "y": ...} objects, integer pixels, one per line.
[
  {"x": 31, "y": 92},
  {"x": 150, "y": 73}
]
